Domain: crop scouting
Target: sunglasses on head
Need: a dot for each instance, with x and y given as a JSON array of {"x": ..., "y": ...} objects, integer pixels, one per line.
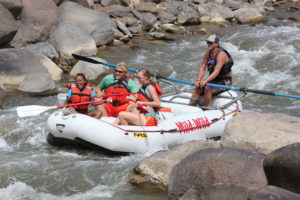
[{"x": 118, "y": 71}]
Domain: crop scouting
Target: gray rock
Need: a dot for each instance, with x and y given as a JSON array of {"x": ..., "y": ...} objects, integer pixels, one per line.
[
  {"x": 108, "y": 2},
  {"x": 282, "y": 167},
  {"x": 148, "y": 21},
  {"x": 223, "y": 191},
  {"x": 116, "y": 11},
  {"x": 130, "y": 21},
  {"x": 40, "y": 13},
  {"x": 210, "y": 166},
  {"x": 173, "y": 28},
  {"x": 16, "y": 63},
  {"x": 38, "y": 84},
  {"x": 45, "y": 49},
  {"x": 173, "y": 7},
  {"x": 166, "y": 17},
  {"x": 188, "y": 16},
  {"x": 162, "y": 36},
  {"x": 147, "y": 7},
  {"x": 125, "y": 38},
  {"x": 91, "y": 71},
  {"x": 261, "y": 132},
  {"x": 84, "y": 3},
  {"x": 118, "y": 34},
  {"x": 272, "y": 193},
  {"x": 8, "y": 26},
  {"x": 68, "y": 39},
  {"x": 95, "y": 23},
  {"x": 27, "y": 33},
  {"x": 248, "y": 15},
  {"x": 134, "y": 30},
  {"x": 14, "y": 6},
  {"x": 154, "y": 172},
  {"x": 123, "y": 28}
]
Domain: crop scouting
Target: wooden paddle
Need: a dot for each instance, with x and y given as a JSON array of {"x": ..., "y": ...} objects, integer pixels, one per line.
[{"x": 31, "y": 110}]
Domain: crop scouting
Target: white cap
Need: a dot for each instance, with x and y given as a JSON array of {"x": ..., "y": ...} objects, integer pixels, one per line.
[{"x": 212, "y": 38}]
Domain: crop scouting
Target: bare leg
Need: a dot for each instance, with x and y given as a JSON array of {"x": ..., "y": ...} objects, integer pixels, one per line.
[
  {"x": 196, "y": 94},
  {"x": 101, "y": 108},
  {"x": 95, "y": 113},
  {"x": 207, "y": 96},
  {"x": 127, "y": 118}
]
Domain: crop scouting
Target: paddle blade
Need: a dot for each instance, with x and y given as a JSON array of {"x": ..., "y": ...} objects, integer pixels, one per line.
[
  {"x": 26, "y": 111},
  {"x": 61, "y": 97}
]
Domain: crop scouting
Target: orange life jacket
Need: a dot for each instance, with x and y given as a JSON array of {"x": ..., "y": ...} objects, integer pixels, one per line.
[
  {"x": 143, "y": 95},
  {"x": 118, "y": 87},
  {"x": 79, "y": 96}
]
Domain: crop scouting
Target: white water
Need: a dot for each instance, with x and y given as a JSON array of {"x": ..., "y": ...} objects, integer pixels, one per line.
[{"x": 266, "y": 58}]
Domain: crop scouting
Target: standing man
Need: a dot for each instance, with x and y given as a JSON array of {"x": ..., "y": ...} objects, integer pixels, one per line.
[
  {"x": 116, "y": 83},
  {"x": 218, "y": 62}
]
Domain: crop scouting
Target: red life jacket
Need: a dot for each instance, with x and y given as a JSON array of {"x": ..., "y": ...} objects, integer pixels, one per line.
[
  {"x": 143, "y": 95},
  {"x": 118, "y": 87},
  {"x": 80, "y": 97}
]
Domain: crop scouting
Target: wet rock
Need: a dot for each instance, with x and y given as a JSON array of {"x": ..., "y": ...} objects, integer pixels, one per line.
[
  {"x": 188, "y": 16},
  {"x": 14, "y": 6},
  {"x": 8, "y": 26},
  {"x": 261, "y": 132},
  {"x": 272, "y": 193},
  {"x": 162, "y": 36},
  {"x": 125, "y": 38},
  {"x": 95, "y": 23},
  {"x": 282, "y": 167},
  {"x": 45, "y": 49},
  {"x": 153, "y": 172},
  {"x": 91, "y": 71},
  {"x": 68, "y": 39},
  {"x": 37, "y": 84},
  {"x": 211, "y": 166},
  {"x": 248, "y": 15}
]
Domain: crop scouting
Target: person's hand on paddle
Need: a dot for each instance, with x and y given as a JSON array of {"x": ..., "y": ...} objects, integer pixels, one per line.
[
  {"x": 197, "y": 83},
  {"x": 203, "y": 83}
]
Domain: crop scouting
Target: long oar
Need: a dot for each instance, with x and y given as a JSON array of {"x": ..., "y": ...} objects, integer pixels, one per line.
[
  {"x": 90, "y": 60},
  {"x": 254, "y": 91},
  {"x": 26, "y": 111},
  {"x": 190, "y": 83}
]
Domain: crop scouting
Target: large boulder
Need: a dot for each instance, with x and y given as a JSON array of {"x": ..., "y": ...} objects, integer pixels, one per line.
[
  {"x": 154, "y": 172},
  {"x": 95, "y": 23},
  {"x": 272, "y": 193},
  {"x": 14, "y": 6},
  {"x": 91, "y": 71},
  {"x": 8, "y": 26},
  {"x": 17, "y": 63},
  {"x": 40, "y": 14},
  {"x": 282, "y": 167},
  {"x": 27, "y": 33},
  {"x": 45, "y": 49},
  {"x": 38, "y": 84},
  {"x": 216, "y": 165},
  {"x": 248, "y": 15},
  {"x": 188, "y": 16},
  {"x": 68, "y": 39},
  {"x": 261, "y": 132}
]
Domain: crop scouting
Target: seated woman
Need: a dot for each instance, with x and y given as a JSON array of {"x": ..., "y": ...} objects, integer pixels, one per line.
[
  {"x": 138, "y": 113},
  {"x": 80, "y": 92}
]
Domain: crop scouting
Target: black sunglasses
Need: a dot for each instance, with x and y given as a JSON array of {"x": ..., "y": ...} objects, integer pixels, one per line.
[
  {"x": 208, "y": 42},
  {"x": 118, "y": 71}
]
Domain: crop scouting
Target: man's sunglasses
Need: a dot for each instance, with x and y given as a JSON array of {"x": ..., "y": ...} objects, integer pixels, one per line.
[
  {"x": 118, "y": 71},
  {"x": 209, "y": 43}
]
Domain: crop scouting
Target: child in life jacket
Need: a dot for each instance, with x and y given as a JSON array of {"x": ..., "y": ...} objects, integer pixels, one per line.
[
  {"x": 143, "y": 111},
  {"x": 80, "y": 92}
]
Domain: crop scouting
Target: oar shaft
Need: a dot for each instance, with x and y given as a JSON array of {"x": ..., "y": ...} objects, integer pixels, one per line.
[
  {"x": 78, "y": 104},
  {"x": 254, "y": 91}
]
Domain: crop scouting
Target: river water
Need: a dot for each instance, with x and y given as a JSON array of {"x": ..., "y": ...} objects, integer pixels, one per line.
[{"x": 266, "y": 58}]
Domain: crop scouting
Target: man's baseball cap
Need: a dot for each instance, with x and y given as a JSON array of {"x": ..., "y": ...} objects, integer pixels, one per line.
[{"x": 212, "y": 38}]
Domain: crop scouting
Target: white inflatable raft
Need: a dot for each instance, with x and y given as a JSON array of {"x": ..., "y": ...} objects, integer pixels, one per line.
[{"x": 182, "y": 123}]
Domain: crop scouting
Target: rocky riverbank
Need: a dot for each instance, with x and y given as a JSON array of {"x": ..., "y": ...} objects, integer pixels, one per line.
[
  {"x": 38, "y": 37},
  {"x": 257, "y": 158}
]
